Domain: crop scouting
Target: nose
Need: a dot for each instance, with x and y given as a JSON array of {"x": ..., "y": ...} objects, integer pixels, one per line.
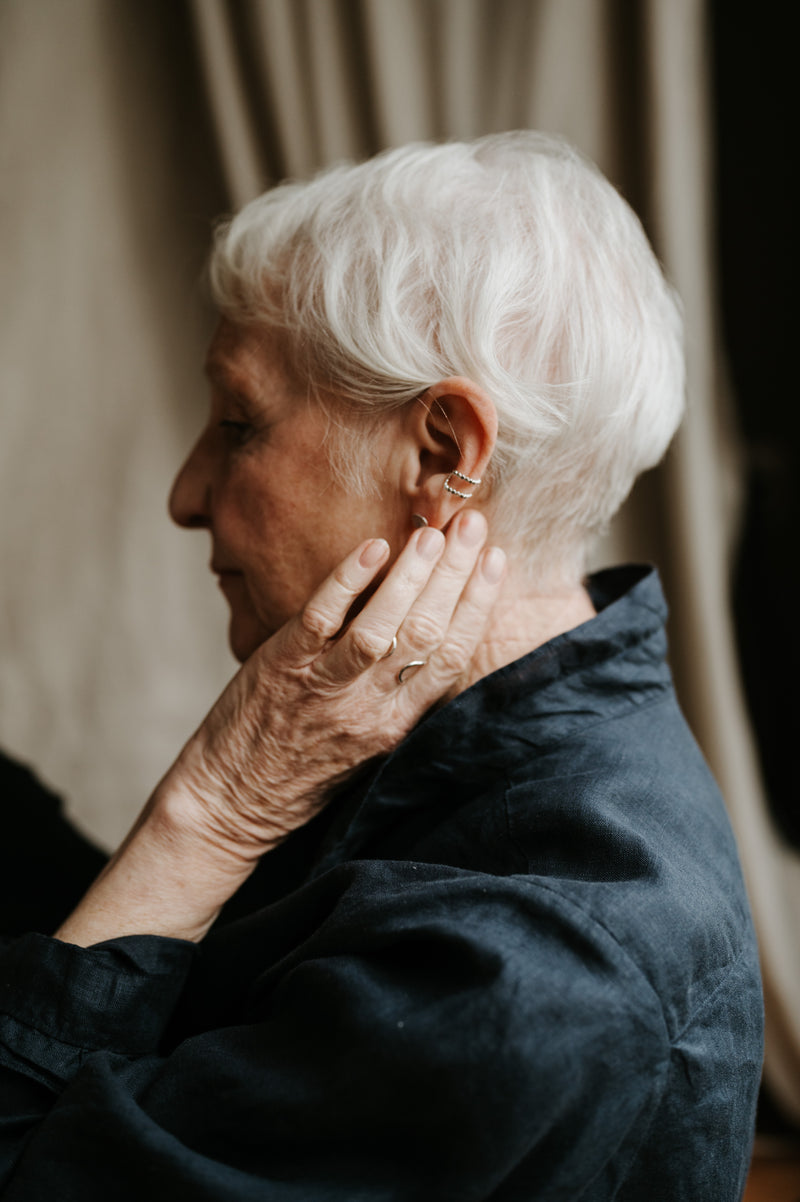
[{"x": 190, "y": 496}]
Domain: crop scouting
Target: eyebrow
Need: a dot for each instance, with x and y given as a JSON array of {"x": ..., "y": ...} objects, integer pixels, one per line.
[{"x": 222, "y": 375}]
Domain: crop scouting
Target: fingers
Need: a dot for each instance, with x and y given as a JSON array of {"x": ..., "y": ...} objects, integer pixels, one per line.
[
  {"x": 431, "y": 582},
  {"x": 431, "y": 608},
  {"x": 326, "y": 611},
  {"x": 426, "y": 624},
  {"x": 466, "y": 627},
  {"x": 446, "y": 624},
  {"x": 371, "y": 635}
]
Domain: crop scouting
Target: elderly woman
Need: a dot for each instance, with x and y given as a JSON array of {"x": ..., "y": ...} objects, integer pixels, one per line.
[{"x": 441, "y": 901}]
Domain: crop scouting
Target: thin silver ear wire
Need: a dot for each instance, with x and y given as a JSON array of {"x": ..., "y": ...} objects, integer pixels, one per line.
[
  {"x": 465, "y": 496},
  {"x": 453, "y": 434}
]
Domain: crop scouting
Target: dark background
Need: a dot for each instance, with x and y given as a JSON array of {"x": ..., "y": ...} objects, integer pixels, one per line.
[{"x": 755, "y": 73}]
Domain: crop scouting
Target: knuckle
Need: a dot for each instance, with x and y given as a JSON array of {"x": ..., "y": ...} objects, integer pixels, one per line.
[
  {"x": 422, "y": 629},
  {"x": 456, "y": 568},
  {"x": 412, "y": 575},
  {"x": 342, "y": 577},
  {"x": 318, "y": 623},
  {"x": 452, "y": 657},
  {"x": 369, "y": 645}
]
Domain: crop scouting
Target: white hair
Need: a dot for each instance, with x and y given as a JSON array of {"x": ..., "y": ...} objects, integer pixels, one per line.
[{"x": 510, "y": 260}]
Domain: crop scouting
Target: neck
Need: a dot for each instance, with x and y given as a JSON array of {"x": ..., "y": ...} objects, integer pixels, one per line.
[{"x": 522, "y": 620}]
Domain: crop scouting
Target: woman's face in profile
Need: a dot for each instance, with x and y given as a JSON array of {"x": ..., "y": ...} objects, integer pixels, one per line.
[{"x": 258, "y": 479}]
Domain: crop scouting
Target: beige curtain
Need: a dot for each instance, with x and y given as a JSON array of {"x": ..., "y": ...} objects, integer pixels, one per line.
[
  {"x": 126, "y": 126},
  {"x": 112, "y": 639}
]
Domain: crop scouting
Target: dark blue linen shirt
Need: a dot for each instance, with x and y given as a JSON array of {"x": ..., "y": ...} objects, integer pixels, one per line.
[{"x": 514, "y": 960}]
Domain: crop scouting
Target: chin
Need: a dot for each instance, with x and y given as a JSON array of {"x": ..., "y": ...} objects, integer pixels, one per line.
[{"x": 244, "y": 638}]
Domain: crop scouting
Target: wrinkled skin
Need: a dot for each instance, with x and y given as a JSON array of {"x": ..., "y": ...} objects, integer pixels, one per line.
[
  {"x": 313, "y": 702},
  {"x": 308, "y": 707}
]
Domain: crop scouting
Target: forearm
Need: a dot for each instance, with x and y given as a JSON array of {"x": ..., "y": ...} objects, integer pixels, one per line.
[
  {"x": 311, "y": 704},
  {"x": 166, "y": 879}
]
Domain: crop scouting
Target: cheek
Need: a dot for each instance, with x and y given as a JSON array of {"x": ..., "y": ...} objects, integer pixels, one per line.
[
  {"x": 288, "y": 527},
  {"x": 281, "y": 563},
  {"x": 244, "y": 511}
]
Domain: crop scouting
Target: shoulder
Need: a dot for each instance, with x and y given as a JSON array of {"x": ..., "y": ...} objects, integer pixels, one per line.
[
  {"x": 476, "y": 996},
  {"x": 615, "y": 836}
]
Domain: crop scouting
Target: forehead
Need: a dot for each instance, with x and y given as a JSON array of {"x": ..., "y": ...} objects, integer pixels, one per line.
[{"x": 244, "y": 359}]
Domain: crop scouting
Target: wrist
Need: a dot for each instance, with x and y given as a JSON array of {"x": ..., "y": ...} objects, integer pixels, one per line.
[
  {"x": 165, "y": 879},
  {"x": 234, "y": 821}
]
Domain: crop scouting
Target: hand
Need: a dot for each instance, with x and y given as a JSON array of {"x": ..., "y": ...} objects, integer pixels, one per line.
[
  {"x": 321, "y": 696},
  {"x": 316, "y": 700}
]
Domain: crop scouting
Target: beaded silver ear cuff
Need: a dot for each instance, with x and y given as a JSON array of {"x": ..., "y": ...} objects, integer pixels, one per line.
[{"x": 465, "y": 496}]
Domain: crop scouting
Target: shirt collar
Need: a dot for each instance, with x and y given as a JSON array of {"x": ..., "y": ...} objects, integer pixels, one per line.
[{"x": 591, "y": 673}]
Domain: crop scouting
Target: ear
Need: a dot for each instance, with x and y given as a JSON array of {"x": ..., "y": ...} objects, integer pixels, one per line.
[{"x": 453, "y": 429}]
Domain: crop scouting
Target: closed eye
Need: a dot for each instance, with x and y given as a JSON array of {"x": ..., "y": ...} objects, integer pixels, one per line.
[{"x": 237, "y": 433}]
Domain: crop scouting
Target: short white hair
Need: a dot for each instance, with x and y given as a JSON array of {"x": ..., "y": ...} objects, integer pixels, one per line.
[{"x": 510, "y": 260}]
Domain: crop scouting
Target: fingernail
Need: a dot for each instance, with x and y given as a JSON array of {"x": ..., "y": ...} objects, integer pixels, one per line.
[
  {"x": 373, "y": 553},
  {"x": 493, "y": 564},
  {"x": 430, "y": 543},
  {"x": 470, "y": 528}
]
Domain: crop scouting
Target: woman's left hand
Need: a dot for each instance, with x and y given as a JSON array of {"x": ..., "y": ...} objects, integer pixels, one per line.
[{"x": 315, "y": 701}]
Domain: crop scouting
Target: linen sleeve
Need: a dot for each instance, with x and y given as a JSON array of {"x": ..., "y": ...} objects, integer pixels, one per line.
[{"x": 413, "y": 1033}]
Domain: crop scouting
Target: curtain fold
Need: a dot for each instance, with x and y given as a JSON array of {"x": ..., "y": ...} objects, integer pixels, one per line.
[
  {"x": 112, "y": 639},
  {"x": 95, "y": 99}
]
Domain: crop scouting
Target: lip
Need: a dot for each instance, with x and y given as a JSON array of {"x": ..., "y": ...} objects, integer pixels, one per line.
[{"x": 225, "y": 576}]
